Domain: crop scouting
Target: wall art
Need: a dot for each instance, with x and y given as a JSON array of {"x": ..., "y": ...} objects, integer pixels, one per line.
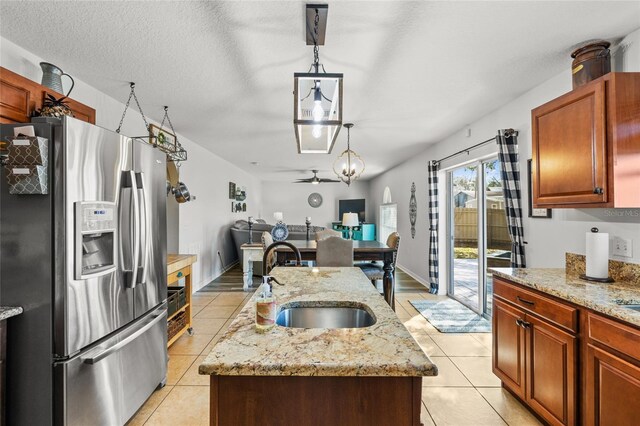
[
  {"x": 413, "y": 210},
  {"x": 535, "y": 213},
  {"x": 232, "y": 191}
]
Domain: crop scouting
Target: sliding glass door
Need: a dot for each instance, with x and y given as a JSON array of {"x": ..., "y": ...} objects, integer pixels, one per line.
[{"x": 478, "y": 233}]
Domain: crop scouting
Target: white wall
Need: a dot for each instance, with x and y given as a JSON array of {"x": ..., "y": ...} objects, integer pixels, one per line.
[
  {"x": 548, "y": 239},
  {"x": 291, "y": 200},
  {"x": 204, "y": 224}
]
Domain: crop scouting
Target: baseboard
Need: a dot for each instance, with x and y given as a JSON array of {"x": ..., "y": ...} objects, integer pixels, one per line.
[
  {"x": 229, "y": 266},
  {"x": 209, "y": 280},
  {"x": 413, "y": 275}
]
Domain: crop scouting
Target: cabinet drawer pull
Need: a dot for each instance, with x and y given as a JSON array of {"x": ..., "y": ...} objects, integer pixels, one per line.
[
  {"x": 598, "y": 190},
  {"x": 528, "y": 302},
  {"x": 525, "y": 324}
]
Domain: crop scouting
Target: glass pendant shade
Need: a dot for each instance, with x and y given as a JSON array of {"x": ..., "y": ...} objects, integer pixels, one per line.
[{"x": 317, "y": 111}]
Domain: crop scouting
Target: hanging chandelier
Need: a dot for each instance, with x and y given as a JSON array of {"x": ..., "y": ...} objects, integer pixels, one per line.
[
  {"x": 349, "y": 165},
  {"x": 317, "y": 94}
]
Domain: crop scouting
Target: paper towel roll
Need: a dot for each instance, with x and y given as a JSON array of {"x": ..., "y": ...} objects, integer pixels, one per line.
[{"x": 597, "y": 255}]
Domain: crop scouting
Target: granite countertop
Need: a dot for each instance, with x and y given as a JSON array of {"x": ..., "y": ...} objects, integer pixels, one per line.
[
  {"x": 600, "y": 297},
  {"x": 7, "y": 312},
  {"x": 383, "y": 349}
]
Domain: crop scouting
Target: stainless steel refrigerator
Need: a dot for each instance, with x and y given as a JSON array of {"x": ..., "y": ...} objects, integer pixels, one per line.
[{"x": 87, "y": 262}]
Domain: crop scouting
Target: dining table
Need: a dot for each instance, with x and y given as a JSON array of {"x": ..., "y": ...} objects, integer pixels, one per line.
[{"x": 362, "y": 251}]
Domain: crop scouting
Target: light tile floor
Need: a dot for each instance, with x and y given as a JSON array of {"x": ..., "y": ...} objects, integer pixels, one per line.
[{"x": 464, "y": 393}]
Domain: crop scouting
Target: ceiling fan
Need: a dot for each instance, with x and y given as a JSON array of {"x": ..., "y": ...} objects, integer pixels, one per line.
[{"x": 315, "y": 179}]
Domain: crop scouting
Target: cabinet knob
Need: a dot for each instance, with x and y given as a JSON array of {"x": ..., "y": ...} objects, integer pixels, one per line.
[
  {"x": 598, "y": 190},
  {"x": 180, "y": 274}
]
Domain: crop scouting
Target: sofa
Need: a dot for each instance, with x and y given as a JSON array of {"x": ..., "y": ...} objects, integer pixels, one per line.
[{"x": 240, "y": 235}]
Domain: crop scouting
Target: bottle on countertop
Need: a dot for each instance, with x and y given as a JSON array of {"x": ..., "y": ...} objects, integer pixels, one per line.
[{"x": 265, "y": 306}]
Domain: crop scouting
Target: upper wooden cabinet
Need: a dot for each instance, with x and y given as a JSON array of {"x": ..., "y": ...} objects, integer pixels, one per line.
[
  {"x": 20, "y": 97},
  {"x": 586, "y": 146}
]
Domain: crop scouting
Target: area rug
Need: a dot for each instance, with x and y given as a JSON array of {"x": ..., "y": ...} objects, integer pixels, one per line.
[{"x": 449, "y": 316}]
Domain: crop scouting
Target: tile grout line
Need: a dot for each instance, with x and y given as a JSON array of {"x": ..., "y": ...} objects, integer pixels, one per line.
[
  {"x": 465, "y": 387},
  {"x": 154, "y": 410}
]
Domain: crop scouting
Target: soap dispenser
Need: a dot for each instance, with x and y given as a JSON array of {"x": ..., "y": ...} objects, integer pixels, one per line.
[{"x": 265, "y": 306}]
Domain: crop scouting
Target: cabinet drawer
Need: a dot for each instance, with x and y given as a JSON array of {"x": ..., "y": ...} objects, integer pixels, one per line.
[
  {"x": 180, "y": 273},
  {"x": 614, "y": 335},
  {"x": 558, "y": 313}
]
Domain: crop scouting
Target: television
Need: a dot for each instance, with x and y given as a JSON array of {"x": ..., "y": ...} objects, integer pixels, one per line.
[{"x": 352, "y": 206}]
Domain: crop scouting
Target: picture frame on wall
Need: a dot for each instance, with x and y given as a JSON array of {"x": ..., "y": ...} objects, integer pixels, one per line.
[
  {"x": 232, "y": 191},
  {"x": 162, "y": 138},
  {"x": 535, "y": 213}
]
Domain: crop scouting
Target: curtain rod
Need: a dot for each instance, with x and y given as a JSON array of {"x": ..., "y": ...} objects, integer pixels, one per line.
[{"x": 507, "y": 132}]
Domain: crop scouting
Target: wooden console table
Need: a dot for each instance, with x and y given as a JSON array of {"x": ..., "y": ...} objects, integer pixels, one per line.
[
  {"x": 250, "y": 253},
  {"x": 178, "y": 267}
]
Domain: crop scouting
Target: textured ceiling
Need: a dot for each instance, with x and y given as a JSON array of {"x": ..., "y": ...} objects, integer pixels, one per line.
[{"x": 414, "y": 72}]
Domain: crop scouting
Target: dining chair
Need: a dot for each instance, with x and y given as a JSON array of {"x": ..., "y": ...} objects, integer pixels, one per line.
[
  {"x": 334, "y": 251},
  {"x": 326, "y": 233},
  {"x": 374, "y": 271},
  {"x": 267, "y": 240}
]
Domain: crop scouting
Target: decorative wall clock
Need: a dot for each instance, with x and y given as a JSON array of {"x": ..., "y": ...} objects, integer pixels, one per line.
[
  {"x": 413, "y": 210},
  {"x": 315, "y": 200}
]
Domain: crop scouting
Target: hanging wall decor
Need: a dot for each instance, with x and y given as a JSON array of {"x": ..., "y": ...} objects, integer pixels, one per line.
[
  {"x": 413, "y": 210},
  {"x": 315, "y": 200},
  {"x": 232, "y": 191}
]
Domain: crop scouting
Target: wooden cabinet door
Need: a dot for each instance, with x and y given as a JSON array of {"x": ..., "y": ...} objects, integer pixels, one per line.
[
  {"x": 612, "y": 390},
  {"x": 14, "y": 103},
  {"x": 570, "y": 148},
  {"x": 551, "y": 372},
  {"x": 508, "y": 346}
]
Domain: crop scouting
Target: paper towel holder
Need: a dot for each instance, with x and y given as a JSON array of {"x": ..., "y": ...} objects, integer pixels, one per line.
[{"x": 598, "y": 280}]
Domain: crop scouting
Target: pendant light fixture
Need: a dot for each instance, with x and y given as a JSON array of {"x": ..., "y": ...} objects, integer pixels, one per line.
[
  {"x": 317, "y": 94},
  {"x": 349, "y": 165}
]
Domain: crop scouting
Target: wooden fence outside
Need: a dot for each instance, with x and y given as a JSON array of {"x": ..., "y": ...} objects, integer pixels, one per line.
[{"x": 466, "y": 228}]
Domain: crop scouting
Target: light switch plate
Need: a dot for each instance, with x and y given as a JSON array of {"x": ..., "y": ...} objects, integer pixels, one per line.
[{"x": 622, "y": 247}]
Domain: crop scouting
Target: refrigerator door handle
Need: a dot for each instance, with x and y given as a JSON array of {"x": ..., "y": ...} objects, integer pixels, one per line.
[
  {"x": 124, "y": 342},
  {"x": 142, "y": 267},
  {"x": 132, "y": 275}
]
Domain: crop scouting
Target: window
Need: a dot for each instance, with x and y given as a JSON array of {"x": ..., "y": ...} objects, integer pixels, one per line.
[{"x": 388, "y": 216}]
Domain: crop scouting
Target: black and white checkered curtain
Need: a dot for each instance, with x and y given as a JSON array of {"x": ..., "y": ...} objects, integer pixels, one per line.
[
  {"x": 433, "y": 226},
  {"x": 508, "y": 156}
]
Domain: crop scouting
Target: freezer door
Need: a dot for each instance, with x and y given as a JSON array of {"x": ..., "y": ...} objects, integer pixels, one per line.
[
  {"x": 91, "y": 299},
  {"x": 107, "y": 384},
  {"x": 149, "y": 167}
]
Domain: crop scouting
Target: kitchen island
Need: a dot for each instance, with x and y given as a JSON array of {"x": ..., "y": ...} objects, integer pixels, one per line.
[{"x": 312, "y": 376}]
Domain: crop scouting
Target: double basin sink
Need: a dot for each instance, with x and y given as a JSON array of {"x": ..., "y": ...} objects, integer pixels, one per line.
[{"x": 325, "y": 315}]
